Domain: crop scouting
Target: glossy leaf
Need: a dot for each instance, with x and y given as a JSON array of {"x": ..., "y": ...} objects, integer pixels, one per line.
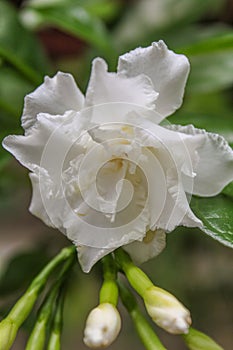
[{"x": 216, "y": 214}]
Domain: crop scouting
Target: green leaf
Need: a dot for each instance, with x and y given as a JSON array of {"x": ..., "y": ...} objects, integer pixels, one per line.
[
  {"x": 154, "y": 20},
  {"x": 212, "y": 112},
  {"x": 19, "y": 47},
  {"x": 13, "y": 88},
  {"x": 19, "y": 272},
  {"x": 216, "y": 214},
  {"x": 211, "y": 63},
  {"x": 75, "y": 19}
]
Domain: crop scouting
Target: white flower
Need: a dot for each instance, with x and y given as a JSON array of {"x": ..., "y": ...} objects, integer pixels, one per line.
[
  {"x": 103, "y": 171},
  {"x": 102, "y": 326},
  {"x": 166, "y": 311}
]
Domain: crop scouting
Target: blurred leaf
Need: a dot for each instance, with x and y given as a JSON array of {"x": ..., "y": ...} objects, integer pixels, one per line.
[
  {"x": 99, "y": 8},
  {"x": 74, "y": 18},
  {"x": 21, "y": 269},
  {"x": 105, "y": 9},
  {"x": 210, "y": 45},
  {"x": 211, "y": 64},
  {"x": 19, "y": 47},
  {"x": 216, "y": 214},
  {"x": 151, "y": 20},
  {"x": 212, "y": 112},
  {"x": 13, "y": 88}
]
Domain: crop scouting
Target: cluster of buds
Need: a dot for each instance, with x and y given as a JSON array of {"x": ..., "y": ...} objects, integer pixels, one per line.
[{"x": 103, "y": 322}]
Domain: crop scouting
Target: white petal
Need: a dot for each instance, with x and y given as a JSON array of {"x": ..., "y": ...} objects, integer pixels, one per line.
[
  {"x": 180, "y": 212},
  {"x": 48, "y": 201},
  {"x": 215, "y": 167},
  {"x": 88, "y": 256},
  {"x": 153, "y": 243},
  {"x": 36, "y": 206},
  {"x": 51, "y": 136},
  {"x": 167, "y": 70},
  {"x": 55, "y": 96},
  {"x": 105, "y": 87}
]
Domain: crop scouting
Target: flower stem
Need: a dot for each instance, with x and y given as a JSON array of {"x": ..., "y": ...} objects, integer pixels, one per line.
[
  {"x": 136, "y": 277},
  {"x": 196, "y": 340},
  {"x": 20, "y": 311},
  {"x": 144, "y": 330},
  {"x": 38, "y": 335},
  {"x": 55, "y": 336},
  {"x": 109, "y": 289}
]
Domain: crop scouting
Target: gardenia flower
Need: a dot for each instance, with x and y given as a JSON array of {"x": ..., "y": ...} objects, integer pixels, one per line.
[
  {"x": 102, "y": 327},
  {"x": 104, "y": 171}
]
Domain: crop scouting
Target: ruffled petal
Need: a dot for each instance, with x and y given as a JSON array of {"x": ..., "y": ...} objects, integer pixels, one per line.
[
  {"x": 36, "y": 207},
  {"x": 106, "y": 88},
  {"x": 215, "y": 167},
  {"x": 48, "y": 200},
  {"x": 153, "y": 243},
  {"x": 52, "y": 137},
  {"x": 167, "y": 70},
  {"x": 55, "y": 96}
]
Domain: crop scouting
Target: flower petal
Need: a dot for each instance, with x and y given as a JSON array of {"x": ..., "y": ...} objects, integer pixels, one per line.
[
  {"x": 48, "y": 134},
  {"x": 55, "y": 96},
  {"x": 105, "y": 87},
  {"x": 167, "y": 70},
  {"x": 153, "y": 243},
  {"x": 215, "y": 167},
  {"x": 36, "y": 206},
  {"x": 88, "y": 256}
]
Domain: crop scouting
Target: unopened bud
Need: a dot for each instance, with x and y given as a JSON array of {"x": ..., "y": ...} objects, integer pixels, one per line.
[
  {"x": 102, "y": 326},
  {"x": 196, "y": 340},
  {"x": 8, "y": 331},
  {"x": 166, "y": 311}
]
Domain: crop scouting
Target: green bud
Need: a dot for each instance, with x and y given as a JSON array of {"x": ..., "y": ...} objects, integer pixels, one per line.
[
  {"x": 8, "y": 331},
  {"x": 196, "y": 340}
]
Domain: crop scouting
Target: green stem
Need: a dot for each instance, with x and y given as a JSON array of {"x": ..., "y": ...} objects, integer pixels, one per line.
[
  {"x": 109, "y": 289},
  {"x": 55, "y": 335},
  {"x": 9, "y": 326},
  {"x": 144, "y": 330},
  {"x": 22, "y": 308},
  {"x": 136, "y": 277},
  {"x": 38, "y": 336},
  {"x": 196, "y": 340}
]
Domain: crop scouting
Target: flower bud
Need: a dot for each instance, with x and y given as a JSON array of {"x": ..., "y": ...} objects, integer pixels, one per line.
[
  {"x": 196, "y": 340},
  {"x": 8, "y": 331},
  {"x": 166, "y": 311},
  {"x": 102, "y": 326}
]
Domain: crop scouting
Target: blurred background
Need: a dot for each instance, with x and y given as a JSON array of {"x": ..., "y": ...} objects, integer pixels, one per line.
[{"x": 40, "y": 37}]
